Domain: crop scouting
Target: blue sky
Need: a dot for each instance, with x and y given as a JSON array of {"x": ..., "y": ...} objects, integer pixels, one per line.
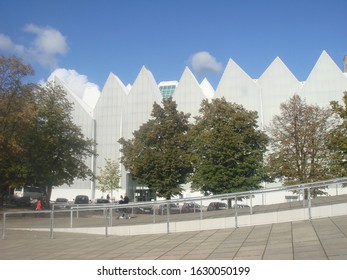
[{"x": 94, "y": 38}]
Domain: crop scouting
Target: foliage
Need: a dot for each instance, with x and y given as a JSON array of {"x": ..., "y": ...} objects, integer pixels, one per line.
[
  {"x": 158, "y": 155},
  {"x": 17, "y": 114},
  {"x": 109, "y": 176},
  {"x": 39, "y": 143},
  {"x": 338, "y": 138},
  {"x": 57, "y": 149},
  {"x": 298, "y": 144},
  {"x": 228, "y": 149}
]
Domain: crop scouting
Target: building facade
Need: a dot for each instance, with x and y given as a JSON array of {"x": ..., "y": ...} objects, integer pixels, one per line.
[{"x": 120, "y": 110}]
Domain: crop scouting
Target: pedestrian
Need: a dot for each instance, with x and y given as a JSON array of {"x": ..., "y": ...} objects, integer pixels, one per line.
[
  {"x": 38, "y": 205},
  {"x": 125, "y": 210},
  {"x": 125, "y": 199},
  {"x": 121, "y": 210}
]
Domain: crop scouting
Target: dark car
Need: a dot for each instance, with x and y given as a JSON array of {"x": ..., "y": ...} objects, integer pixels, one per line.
[
  {"x": 217, "y": 206},
  {"x": 102, "y": 201},
  {"x": 81, "y": 199},
  {"x": 189, "y": 207},
  {"x": 61, "y": 203},
  {"x": 174, "y": 209},
  {"x": 143, "y": 210}
]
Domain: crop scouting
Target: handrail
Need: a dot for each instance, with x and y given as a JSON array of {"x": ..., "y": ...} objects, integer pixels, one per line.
[{"x": 108, "y": 207}]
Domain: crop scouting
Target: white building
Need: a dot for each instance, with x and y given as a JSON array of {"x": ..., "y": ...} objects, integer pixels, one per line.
[{"x": 120, "y": 110}]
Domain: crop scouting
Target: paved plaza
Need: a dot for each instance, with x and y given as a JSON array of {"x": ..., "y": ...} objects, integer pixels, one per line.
[{"x": 319, "y": 239}]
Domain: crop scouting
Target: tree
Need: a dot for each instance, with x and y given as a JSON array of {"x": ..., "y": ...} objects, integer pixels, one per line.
[
  {"x": 39, "y": 143},
  {"x": 56, "y": 149},
  {"x": 298, "y": 146},
  {"x": 228, "y": 149},
  {"x": 109, "y": 176},
  {"x": 17, "y": 114},
  {"x": 158, "y": 155},
  {"x": 338, "y": 138}
]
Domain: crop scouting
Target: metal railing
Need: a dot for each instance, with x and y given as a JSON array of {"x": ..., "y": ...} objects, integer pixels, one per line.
[{"x": 108, "y": 215}]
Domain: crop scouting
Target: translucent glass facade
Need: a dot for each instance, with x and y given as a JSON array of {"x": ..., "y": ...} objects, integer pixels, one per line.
[
  {"x": 167, "y": 89},
  {"x": 121, "y": 110}
]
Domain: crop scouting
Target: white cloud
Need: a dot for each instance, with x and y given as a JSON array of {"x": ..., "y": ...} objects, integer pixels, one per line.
[
  {"x": 79, "y": 84},
  {"x": 44, "y": 48},
  {"x": 47, "y": 44},
  {"x": 204, "y": 61},
  {"x": 48, "y": 40},
  {"x": 7, "y": 45}
]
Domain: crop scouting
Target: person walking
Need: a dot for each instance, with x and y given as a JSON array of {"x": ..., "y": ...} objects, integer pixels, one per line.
[
  {"x": 125, "y": 210},
  {"x": 125, "y": 199},
  {"x": 38, "y": 205}
]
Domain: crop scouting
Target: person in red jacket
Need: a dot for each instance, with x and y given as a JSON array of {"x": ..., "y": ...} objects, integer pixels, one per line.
[{"x": 38, "y": 205}]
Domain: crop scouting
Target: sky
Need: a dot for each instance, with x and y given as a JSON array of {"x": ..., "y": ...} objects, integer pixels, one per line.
[{"x": 84, "y": 41}]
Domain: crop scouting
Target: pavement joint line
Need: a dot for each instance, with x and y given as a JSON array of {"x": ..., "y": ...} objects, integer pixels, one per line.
[
  {"x": 267, "y": 241},
  {"x": 225, "y": 238},
  {"x": 292, "y": 233},
  {"x": 345, "y": 234},
  {"x": 243, "y": 242},
  {"x": 184, "y": 241},
  {"x": 320, "y": 241}
]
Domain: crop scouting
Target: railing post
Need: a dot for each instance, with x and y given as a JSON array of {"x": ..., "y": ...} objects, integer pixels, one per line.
[
  {"x": 52, "y": 223},
  {"x": 200, "y": 209},
  {"x": 309, "y": 203},
  {"x": 71, "y": 217},
  {"x": 251, "y": 204},
  {"x": 236, "y": 221},
  {"x": 111, "y": 216},
  {"x": 168, "y": 218},
  {"x": 3, "y": 225},
  {"x": 106, "y": 221}
]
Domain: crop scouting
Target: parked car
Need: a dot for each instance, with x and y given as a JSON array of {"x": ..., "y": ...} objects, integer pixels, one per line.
[
  {"x": 143, "y": 210},
  {"x": 61, "y": 203},
  {"x": 217, "y": 206},
  {"x": 189, "y": 207},
  {"x": 241, "y": 206},
  {"x": 81, "y": 199},
  {"x": 102, "y": 201},
  {"x": 174, "y": 209},
  {"x": 12, "y": 201}
]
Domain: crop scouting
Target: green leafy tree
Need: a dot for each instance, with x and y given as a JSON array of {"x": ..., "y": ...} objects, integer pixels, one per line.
[
  {"x": 109, "y": 176},
  {"x": 228, "y": 149},
  {"x": 158, "y": 155},
  {"x": 17, "y": 114},
  {"x": 338, "y": 138},
  {"x": 56, "y": 150},
  {"x": 299, "y": 152}
]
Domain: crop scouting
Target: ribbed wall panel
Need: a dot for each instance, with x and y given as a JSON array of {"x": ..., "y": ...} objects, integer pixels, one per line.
[
  {"x": 325, "y": 83},
  {"x": 277, "y": 85},
  {"x": 188, "y": 94},
  {"x": 108, "y": 115},
  {"x": 237, "y": 87},
  {"x": 139, "y": 102}
]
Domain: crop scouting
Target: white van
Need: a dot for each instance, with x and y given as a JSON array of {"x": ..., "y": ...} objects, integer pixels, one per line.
[{"x": 32, "y": 192}]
